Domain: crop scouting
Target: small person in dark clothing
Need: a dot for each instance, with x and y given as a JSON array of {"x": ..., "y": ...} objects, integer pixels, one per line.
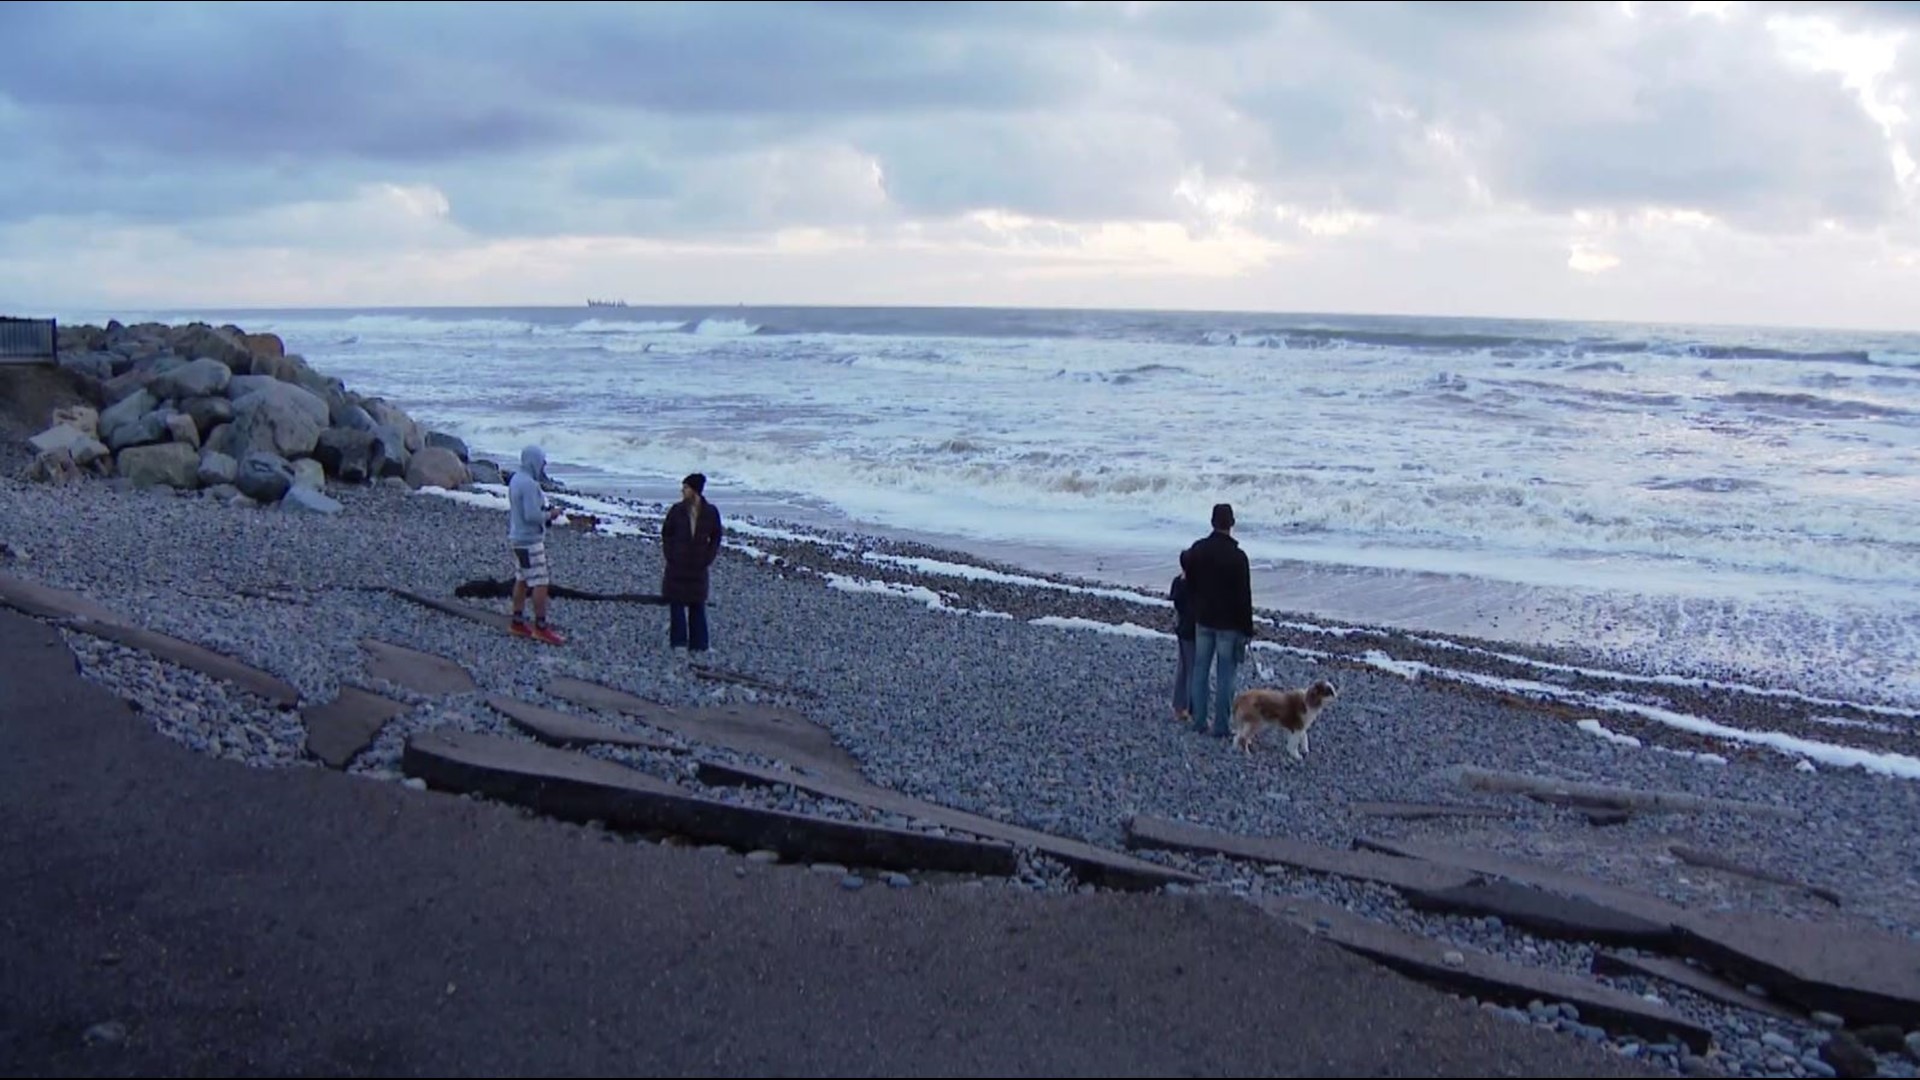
[
  {"x": 689, "y": 542},
  {"x": 1183, "y": 632}
]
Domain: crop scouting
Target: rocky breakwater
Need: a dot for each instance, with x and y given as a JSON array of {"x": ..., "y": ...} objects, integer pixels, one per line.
[{"x": 199, "y": 407}]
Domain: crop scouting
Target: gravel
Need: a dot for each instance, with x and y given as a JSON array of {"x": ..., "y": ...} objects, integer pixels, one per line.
[{"x": 1057, "y": 728}]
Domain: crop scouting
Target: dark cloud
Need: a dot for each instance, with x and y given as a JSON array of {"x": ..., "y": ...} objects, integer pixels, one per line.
[{"x": 683, "y": 118}]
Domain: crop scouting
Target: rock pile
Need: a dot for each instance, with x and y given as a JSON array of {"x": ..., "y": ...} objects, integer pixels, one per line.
[{"x": 216, "y": 408}]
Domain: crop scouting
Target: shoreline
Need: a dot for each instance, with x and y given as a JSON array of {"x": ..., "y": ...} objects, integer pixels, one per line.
[{"x": 1037, "y": 702}]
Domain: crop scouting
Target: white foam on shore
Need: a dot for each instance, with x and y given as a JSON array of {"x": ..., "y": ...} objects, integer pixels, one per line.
[
  {"x": 918, "y": 593},
  {"x": 942, "y": 568},
  {"x": 1133, "y": 630},
  {"x": 485, "y": 499},
  {"x": 1596, "y": 728},
  {"x": 1410, "y": 670}
]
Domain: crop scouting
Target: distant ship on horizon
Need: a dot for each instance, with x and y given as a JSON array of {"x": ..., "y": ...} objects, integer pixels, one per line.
[{"x": 606, "y": 303}]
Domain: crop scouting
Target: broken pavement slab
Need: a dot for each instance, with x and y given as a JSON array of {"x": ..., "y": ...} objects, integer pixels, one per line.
[
  {"x": 1486, "y": 976},
  {"x": 1569, "y": 918},
  {"x": 424, "y": 672},
  {"x": 1714, "y": 861},
  {"x": 1682, "y": 974},
  {"x": 574, "y": 787},
  {"x": 78, "y": 612},
  {"x": 1489, "y": 864},
  {"x": 339, "y": 730},
  {"x": 1153, "y": 832},
  {"x": 1867, "y": 975},
  {"x": 564, "y": 729},
  {"x": 1092, "y": 864},
  {"x": 768, "y": 731}
]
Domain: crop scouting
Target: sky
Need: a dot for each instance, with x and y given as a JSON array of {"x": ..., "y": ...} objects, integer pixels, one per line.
[{"x": 1745, "y": 163}]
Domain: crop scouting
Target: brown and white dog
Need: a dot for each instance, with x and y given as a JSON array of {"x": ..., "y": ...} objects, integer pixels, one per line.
[{"x": 1292, "y": 711}]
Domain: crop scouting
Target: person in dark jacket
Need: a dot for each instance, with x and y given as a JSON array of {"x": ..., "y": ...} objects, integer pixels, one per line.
[
  {"x": 1183, "y": 633},
  {"x": 1220, "y": 582},
  {"x": 689, "y": 542}
]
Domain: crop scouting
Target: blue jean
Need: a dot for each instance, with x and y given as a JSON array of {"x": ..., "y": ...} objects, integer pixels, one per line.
[
  {"x": 689, "y": 626},
  {"x": 1220, "y": 650}
]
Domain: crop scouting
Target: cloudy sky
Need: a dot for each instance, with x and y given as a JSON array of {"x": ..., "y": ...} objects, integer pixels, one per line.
[{"x": 1694, "y": 162}]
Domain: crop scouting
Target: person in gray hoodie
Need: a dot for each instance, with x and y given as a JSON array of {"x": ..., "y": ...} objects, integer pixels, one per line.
[{"x": 528, "y": 516}]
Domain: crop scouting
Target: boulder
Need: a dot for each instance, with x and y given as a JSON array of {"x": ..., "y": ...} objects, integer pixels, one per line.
[
  {"x": 346, "y": 413},
  {"x": 217, "y": 469},
  {"x": 94, "y": 365},
  {"x": 391, "y": 416},
  {"x": 353, "y": 457},
  {"x": 280, "y": 418},
  {"x": 92, "y": 453},
  {"x": 264, "y": 344},
  {"x": 264, "y": 477},
  {"x": 308, "y": 501},
  {"x": 84, "y": 417},
  {"x": 277, "y": 368},
  {"x": 222, "y": 492},
  {"x": 199, "y": 339},
  {"x": 147, "y": 430},
  {"x": 161, "y": 364},
  {"x": 193, "y": 379},
  {"x": 52, "y": 467},
  {"x": 241, "y": 385},
  {"x": 308, "y": 474},
  {"x": 398, "y": 456},
  {"x": 121, "y": 387},
  {"x": 434, "y": 467},
  {"x": 83, "y": 338},
  {"x": 59, "y": 437},
  {"x": 180, "y": 428},
  {"x": 449, "y": 442},
  {"x": 220, "y": 438},
  {"x": 174, "y": 465},
  {"x": 208, "y": 413},
  {"x": 125, "y": 411},
  {"x": 486, "y": 472}
]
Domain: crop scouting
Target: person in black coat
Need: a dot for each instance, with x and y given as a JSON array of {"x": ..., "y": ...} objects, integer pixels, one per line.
[
  {"x": 1183, "y": 633},
  {"x": 689, "y": 542},
  {"x": 1220, "y": 581}
]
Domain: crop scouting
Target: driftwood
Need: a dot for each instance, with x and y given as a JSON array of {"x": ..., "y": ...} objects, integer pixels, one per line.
[
  {"x": 1711, "y": 861},
  {"x": 1603, "y": 797},
  {"x": 498, "y": 588}
]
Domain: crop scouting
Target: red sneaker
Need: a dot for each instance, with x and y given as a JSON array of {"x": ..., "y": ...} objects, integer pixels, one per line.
[
  {"x": 520, "y": 628},
  {"x": 549, "y": 635}
]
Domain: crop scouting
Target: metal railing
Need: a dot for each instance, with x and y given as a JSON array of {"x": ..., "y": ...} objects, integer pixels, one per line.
[{"x": 29, "y": 341}]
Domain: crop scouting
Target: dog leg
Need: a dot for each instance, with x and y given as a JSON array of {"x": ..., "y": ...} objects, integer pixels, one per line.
[{"x": 1305, "y": 746}]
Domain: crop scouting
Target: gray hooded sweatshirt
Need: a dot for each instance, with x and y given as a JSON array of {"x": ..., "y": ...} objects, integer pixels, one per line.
[{"x": 526, "y": 503}]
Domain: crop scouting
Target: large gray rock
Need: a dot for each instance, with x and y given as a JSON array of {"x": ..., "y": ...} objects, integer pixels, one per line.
[
  {"x": 58, "y": 437},
  {"x": 217, "y": 469},
  {"x": 345, "y": 413},
  {"x": 92, "y": 453},
  {"x": 449, "y": 442},
  {"x": 241, "y": 385},
  {"x": 307, "y": 500},
  {"x": 180, "y": 428},
  {"x": 434, "y": 467},
  {"x": 150, "y": 428},
  {"x": 398, "y": 456},
  {"x": 121, "y": 387},
  {"x": 222, "y": 344},
  {"x": 208, "y": 413},
  {"x": 84, "y": 417},
  {"x": 392, "y": 416},
  {"x": 195, "y": 378},
  {"x": 485, "y": 472},
  {"x": 307, "y": 473},
  {"x": 126, "y": 411},
  {"x": 174, "y": 465},
  {"x": 52, "y": 467},
  {"x": 281, "y": 418},
  {"x": 94, "y": 365},
  {"x": 264, "y": 477},
  {"x": 353, "y": 457}
]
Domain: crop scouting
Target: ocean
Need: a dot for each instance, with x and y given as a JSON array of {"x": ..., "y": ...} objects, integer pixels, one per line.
[{"x": 1694, "y": 500}]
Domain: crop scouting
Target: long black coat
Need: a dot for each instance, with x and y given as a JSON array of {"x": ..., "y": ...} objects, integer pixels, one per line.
[{"x": 688, "y": 552}]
